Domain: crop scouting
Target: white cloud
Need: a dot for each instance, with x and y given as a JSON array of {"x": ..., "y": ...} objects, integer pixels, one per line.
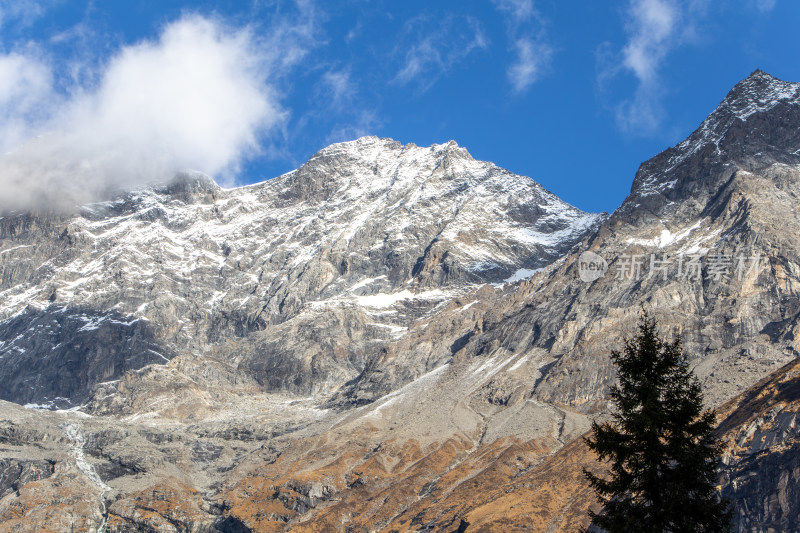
[
  {"x": 654, "y": 28},
  {"x": 422, "y": 56},
  {"x": 339, "y": 87},
  {"x": 432, "y": 47},
  {"x": 25, "y": 90},
  {"x": 653, "y": 32},
  {"x": 642, "y": 114},
  {"x": 531, "y": 52},
  {"x": 354, "y": 33},
  {"x": 364, "y": 123},
  {"x": 22, "y": 12},
  {"x": 519, "y": 10},
  {"x": 202, "y": 96},
  {"x": 531, "y": 56},
  {"x": 765, "y": 6}
]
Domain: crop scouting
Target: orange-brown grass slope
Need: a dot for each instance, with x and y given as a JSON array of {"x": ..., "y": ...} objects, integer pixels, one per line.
[
  {"x": 169, "y": 505},
  {"x": 62, "y": 502},
  {"x": 507, "y": 485}
]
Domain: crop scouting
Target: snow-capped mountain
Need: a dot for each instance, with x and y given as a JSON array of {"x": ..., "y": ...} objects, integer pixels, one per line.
[
  {"x": 754, "y": 127},
  {"x": 380, "y": 231}
]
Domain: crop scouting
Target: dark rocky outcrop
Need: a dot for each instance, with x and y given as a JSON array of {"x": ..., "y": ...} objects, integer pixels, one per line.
[{"x": 56, "y": 355}]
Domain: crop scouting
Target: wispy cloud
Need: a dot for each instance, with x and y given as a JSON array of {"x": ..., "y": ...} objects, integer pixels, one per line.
[
  {"x": 365, "y": 122},
  {"x": 26, "y": 91},
  {"x": 338, "y": 87},
  {"x": 531, "y": 52},
  {"x": 353, "y": 33},
  {"x": 519, "y": 10},
  {"x": 434, "y": 46},
  {"x": 532, "y": 56},
  {"x": 202, "y": 96},
  {"x": 22, "y": 12},
  {"x": 765, "y": 6},
  {"x": 652, "y": 33},
  {"x": 654, "y": 28}
]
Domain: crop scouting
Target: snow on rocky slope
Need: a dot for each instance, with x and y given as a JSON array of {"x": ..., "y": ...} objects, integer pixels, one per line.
[
  {"x": 753, "y": 127},
  {"x": 380, "y": 231}
]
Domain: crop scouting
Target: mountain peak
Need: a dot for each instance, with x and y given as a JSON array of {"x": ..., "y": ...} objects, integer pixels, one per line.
[
  {"x": 371, "y": 143},
  {"x": 758, "y": 73},
  {"x": 366, "y": 157},
  {"x": 190, "y": 186},
  {"x": 756, "y": 124},
  {"x": 759, "y": 92}
]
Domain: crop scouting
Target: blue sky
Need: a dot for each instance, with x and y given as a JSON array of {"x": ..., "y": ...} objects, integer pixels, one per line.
[{"x": 574, "y": 94}]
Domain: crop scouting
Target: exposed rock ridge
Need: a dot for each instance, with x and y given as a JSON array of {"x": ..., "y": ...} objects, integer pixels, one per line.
[
  {"x": 755, "y": 126},
  {"x": 316, "y": 267}
]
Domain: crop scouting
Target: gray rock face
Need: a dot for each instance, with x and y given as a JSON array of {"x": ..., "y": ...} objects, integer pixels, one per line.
[
  {"x": 725, "y": 196},
  {"x": 739, "y": 323},
  {"x": 316, "y": 268},
  {"x": 14, "y": 473},
  {"x": 77, "y": 348},
  {"x": 754, "y": 127},
  {"x": 761, "y": 467}
]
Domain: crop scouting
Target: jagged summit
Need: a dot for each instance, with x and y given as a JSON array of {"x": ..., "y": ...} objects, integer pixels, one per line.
[
  {"x": 381, "y": 153},
  {"x": 760, "y": 91},
  {"x": 191, "y": 185},
  {"x": 369, "y": 142},
  {"x": 755, "y": 126},
  {"x": 367, "y": 224},
  {"x": 411, "y": 178}
]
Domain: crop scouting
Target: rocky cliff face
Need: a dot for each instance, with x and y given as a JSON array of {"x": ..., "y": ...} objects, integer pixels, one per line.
[
  {"x": 708, "y": 240},
  {"x": 753, "y": 128},
  {"x": 315, "y": 268},
  {"x": 394, "y": 338},
  {"x": 761, "y": 468}
]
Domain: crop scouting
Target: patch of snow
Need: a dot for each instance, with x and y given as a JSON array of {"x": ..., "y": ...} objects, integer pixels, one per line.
[
  {"x": 383, "y": 300},
  {"x": 696, "y": 246},
  {"x": 667, "y": 238},
  {"x": 395, "y": 331},
  {"x": 384, "y": 404},
  {"x": 520, "y": 362},
  {"x": 486, "y": 365},
  {"x": 39, "y": 406},
  {"x": 15, "y": 248},
  {"x": 158, "y": 354},
  {"x": 366, "y": 282},
  {"x": 522, "y": 273},
  {"x": 465, "y": 307}
]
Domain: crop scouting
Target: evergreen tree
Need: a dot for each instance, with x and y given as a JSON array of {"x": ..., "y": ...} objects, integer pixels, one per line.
[{"x": 661, "y": 444}]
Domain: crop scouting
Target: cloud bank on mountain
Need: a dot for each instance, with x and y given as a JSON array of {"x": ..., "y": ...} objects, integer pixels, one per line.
[{"x": 199, "y": 96}]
